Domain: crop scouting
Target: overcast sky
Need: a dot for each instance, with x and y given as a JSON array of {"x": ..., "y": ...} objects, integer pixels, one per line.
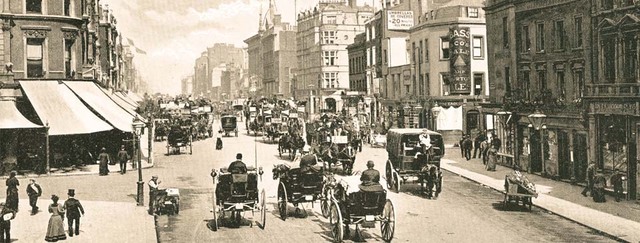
[{"x": 174, "y": 33}]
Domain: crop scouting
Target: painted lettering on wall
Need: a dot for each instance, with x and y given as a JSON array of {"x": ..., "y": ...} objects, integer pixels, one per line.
[{"x": 460, "y": 61}]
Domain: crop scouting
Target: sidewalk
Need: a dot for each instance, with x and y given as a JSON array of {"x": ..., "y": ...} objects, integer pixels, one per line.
[
  {"x": 103, "y": 222},
  {"x": 92, "y": 169},
  {"x": 618, "y": 219}
]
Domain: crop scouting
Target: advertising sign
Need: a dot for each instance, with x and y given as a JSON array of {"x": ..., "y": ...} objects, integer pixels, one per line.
[
  {"x": 399, "y": 20},
  {"x": 459, "y": 60}
]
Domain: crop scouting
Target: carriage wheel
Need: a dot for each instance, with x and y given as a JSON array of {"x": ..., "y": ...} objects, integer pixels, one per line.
[
  {"x": 282, "y": 201},
  {"x": 388, "y": 174},
  {"x": 325, "y": 201},
  {"x": 335, "y": 219},
  {"x": 396, "y": 180},
  {"x": 263, "y": 209},
  {"x": 388, "y": 223}
]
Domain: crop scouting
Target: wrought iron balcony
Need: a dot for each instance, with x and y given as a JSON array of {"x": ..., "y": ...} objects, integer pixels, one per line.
[{"x": 612, "y": 90}]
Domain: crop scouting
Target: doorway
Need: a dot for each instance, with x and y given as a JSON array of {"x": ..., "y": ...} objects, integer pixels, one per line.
[
  {"x": 580, "y": 157},
  {"x": 536, "y": 152},
  {"x": 564, "y": 160}
]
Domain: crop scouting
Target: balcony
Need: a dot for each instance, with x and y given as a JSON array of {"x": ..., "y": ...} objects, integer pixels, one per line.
[{"x": 617, "y": 90}]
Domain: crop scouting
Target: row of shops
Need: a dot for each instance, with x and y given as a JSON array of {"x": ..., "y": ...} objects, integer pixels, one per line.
[{"x": 54, "y": 124}]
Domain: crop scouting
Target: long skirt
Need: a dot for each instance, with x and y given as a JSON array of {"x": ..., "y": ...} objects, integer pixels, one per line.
[
  {"x": 491, "y": 162},
  {"x": 104, "y": 168},
  {"x": 12, "y": 199},
  {"x": 55, "y": 230}
]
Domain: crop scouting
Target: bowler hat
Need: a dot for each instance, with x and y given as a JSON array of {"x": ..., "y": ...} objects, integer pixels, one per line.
[
  {"x": 370, "y": 163},
  {"x": 72, "y": 192}
]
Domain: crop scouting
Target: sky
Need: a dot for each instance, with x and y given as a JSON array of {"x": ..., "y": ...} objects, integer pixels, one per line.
[{"x": 174, "y": 33}]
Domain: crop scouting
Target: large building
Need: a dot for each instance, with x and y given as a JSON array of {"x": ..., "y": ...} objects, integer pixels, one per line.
[
  {"x": 186, "y": 85},
  {"x": 213, "y": 57},
  {"x": 201, "y": 79},
  {"x": 272, "y": 56},
  {"x": 540, "y": 57},
  {"x": 324, "y": 33}
]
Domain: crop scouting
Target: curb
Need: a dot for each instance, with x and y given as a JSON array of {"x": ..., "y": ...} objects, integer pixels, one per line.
[
  {"x": 65, "y": 174},
  {"x": 616, "y": 238}
]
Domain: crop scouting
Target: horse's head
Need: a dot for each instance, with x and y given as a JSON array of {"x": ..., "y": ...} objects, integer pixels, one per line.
[{"x": 279, "y": 170}]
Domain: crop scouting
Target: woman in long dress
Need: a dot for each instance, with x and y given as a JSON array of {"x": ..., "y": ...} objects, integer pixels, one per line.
[{"x": 55, "y": 230}]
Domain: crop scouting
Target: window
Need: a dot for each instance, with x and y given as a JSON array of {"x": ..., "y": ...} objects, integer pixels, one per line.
[
  {"x": 578, "y": 30},
  {"x": 385, "y": 56},
  {"x": 34, "y": 6},
  {"x": 526, "y": 39},
  {"x": 578, "y": 83},
  {"x": 420, "y": 52},
  {"x": 505, "y": 33},
  {"x": 329, "y": 58},
  {"x": 542, "y": 80},
  {"x": 445, "y": 83},
  {"x": 67, "y": 7},
  {"x": 35, "y": 64},
  {"x": 329, "y": 37},
  {"x": 630, "y": 58},
  {"x": 507, "y": 79},
  {"x": 562, "y": 90},
  {"x": 609, "y": 56},
  {"x": 68, "y": 58},
  {"x": 472, "y": 12},
  {"x": 478, "y": 50},
  {"x": 559, "y": 35},
  {"x": 330, "y": 79},
  {"x": 540, "y": 37},
  {"x": 426, "y": 84},
  {"x": 330, "y": 19},
  {"x": 421, "y": 84},
  {"x": 413, "y": 53},
  {"x": 426, "y": 50},
  {"x": 524, "y": 85},
  {"x": 478, "y": 80},
  {"x": 444, "y": 48}
]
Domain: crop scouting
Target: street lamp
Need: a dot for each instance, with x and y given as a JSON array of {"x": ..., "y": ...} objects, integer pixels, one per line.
[
  {"x": 435, "y": 111},
  {"x": 138, "y": 125},
  {"x": 537, "y": 120}
]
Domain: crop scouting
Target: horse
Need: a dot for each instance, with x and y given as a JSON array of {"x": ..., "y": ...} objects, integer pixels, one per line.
[
  {"x": 160, "y": 132},
  {"x": 431, "y": 180},
  {"x": 347, "y": 156},
  {"x": 284, "y": 144},
  {"x": 296, "y": 143}
]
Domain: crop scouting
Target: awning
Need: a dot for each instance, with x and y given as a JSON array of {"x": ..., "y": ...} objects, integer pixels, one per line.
[
  {"x": 57, "y": 105},
  {"x": 11, "y": 118},
  {"x": 101, "y": 103},
  {"x": 128, "y": 107},
  {"x": 135, "y": 97},
  {"x": 126, "y": 99}
]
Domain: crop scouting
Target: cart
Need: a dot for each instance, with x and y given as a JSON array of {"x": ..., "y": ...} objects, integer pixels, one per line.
[
  {"x": 299, "y": 187},
  {"x": 236, "y": 194},
  {"x": 229, "y": 124},
  {"x": 179, "y": 138},
  {"x": 517, "y": 193}
]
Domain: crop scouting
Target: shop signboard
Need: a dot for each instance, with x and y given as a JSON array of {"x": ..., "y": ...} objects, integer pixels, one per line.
[
  {"x": 399, "y": 20},
  {"x": 459, "y": 60}
]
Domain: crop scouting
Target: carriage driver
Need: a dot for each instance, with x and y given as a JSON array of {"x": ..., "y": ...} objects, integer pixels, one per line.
[
  {"x": 237, "y": 167},
  {"x": 308, "y": 160},
  {"x": 370, "y": 179}
]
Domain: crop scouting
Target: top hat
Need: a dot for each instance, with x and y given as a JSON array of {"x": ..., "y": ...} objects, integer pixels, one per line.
[{"x": 72, "y": 192}]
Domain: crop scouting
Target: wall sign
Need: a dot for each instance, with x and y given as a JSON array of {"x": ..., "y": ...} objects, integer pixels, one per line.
[{"x": 459, "y": 60}]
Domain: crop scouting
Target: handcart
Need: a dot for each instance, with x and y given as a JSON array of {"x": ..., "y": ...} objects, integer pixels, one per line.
[{"x": 518, "y": 190}]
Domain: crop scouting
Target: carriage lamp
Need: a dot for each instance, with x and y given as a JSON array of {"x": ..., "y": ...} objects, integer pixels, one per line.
[{"x": 138, "y": 125}]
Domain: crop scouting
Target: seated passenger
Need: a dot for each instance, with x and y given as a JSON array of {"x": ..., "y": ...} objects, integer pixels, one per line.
[
  {"x": 237, "y": 167},
  {"x": 370, "y": 179},
  {"x": 308, "y": 160}
]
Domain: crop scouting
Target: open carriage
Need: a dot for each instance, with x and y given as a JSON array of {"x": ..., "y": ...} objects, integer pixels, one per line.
[
  {"x": 298, "y": 186},
  {"x": 344, "y": 153},
  {"x": 236, "y": 194},
  {"x": 179, "y": 138},
  {"x": 361, "y": 208},
  {"x": 409, "y": 160}
]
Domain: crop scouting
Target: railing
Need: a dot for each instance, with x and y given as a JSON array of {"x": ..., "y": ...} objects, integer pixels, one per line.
[{"x": 612, "y": 90}]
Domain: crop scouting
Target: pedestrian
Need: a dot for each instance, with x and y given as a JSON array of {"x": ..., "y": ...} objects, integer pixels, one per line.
[
  {"x": 461, "y": 145},
  {"x": 153, "y": 189},
  {"x": 467, "y": 145},
  {"x": 123, "y": 157},
  {"x": 484, "y": 147},
  {"x": 616, "y": 180},
  {"x": 6, "y": 215},
  {"x": 74, "y": 210},
  {"x": 55, "y": 229},
  {"x": 104, "y": 162},
  {"x": 496, "y": 142},
  {"x": 478, "y": 144},
  {"x": 599, "y": 183},
  {"x": 34, "y": 191},
  {"x": 591, "y": 172},
  {"x": 12, "y": 191}
]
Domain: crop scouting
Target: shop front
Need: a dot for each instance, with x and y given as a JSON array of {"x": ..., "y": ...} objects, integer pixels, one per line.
[{"x": 615, "y": 128}]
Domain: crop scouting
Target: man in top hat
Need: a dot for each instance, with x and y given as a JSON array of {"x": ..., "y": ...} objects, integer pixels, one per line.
[
  {"x": 370, "y": 179},
  {"x": 73, "y": 209},
  {"x": 123, "y": 157}
]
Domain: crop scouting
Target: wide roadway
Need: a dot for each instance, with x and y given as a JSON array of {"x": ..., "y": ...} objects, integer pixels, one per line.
[{"x": 464, "y": 212}]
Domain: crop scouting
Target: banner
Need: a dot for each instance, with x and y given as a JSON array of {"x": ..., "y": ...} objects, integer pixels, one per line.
[{"x": 459, "y": 60}]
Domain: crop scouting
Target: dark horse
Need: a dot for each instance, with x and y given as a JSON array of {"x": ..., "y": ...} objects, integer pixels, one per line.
[
  {"x": 283, "y": 144},
  {"x": 296, "y": 143},
  {"x": 347, "y": 156}
]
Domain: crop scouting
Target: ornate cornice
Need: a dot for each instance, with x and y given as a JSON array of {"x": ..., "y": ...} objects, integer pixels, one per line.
[{"x": 35, "y": 33}]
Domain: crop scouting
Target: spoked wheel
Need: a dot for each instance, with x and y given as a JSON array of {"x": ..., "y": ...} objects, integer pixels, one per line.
[
  {"x": 396, "y": 180},
  {"x": 263, "y": 209},
  {"x": 388, "y": 223},
  {"x": 325, "y": 201},
  {"x": 282, "y": 201},
  {"x": 335, "y": 219},
  {"x": 388, "y": 175}
]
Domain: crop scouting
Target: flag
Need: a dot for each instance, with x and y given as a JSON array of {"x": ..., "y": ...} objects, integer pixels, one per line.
[{"x": 140, "y": 51}]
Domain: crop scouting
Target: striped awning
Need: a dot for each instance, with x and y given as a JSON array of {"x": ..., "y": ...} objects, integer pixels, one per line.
[
  {"x": 91, "y": 94},
  {"x": 11, "y": 118}
]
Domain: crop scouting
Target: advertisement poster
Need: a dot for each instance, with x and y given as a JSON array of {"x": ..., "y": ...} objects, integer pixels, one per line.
[
  {"x": 400, "y": 20},
  {"x": 460, "y": 61}
]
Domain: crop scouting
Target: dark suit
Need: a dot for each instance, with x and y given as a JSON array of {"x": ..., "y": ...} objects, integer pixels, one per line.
[
  {"x": 467, "y": 146},
  {"x": 370, "y": 179},
  {"x": 237, "y": 167},
  {"x": 73, "y": 209},
  {"x": 33, "y": 196},
  {"x": 307, "y": 162},
  {"x": 12, "y": 193},
  {"x": 123, "y": 156},
  {"x": 5, "y": 225}
]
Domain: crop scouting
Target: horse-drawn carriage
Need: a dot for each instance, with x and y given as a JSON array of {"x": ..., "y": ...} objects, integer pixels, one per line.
[
  {"x": 409, "y": 159},
  {"x": 361, "y": 208},
  {"x": 291, "y": 143},
  {"x": 161, "y": 129},
  {"x": 236, "y": 194},
  {"x": 298, "y": 186},
  {"x": 179, "y": 137},
  {"x": 229, "y": 124}
]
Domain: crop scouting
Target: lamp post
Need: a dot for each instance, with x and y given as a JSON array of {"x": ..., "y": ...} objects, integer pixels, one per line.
[
  {"x": 435, "y": 111},
  {"x": 138, "y": 125},
  {"x": 537, "y": 120}
]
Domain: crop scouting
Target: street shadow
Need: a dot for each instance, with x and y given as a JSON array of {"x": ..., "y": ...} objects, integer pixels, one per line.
[
  {"x": 291, "y": 212},
  {"x": 133, "y": 196},
  {"x": 226, "y": 222},
  {"x": 509, "y": 207}
]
